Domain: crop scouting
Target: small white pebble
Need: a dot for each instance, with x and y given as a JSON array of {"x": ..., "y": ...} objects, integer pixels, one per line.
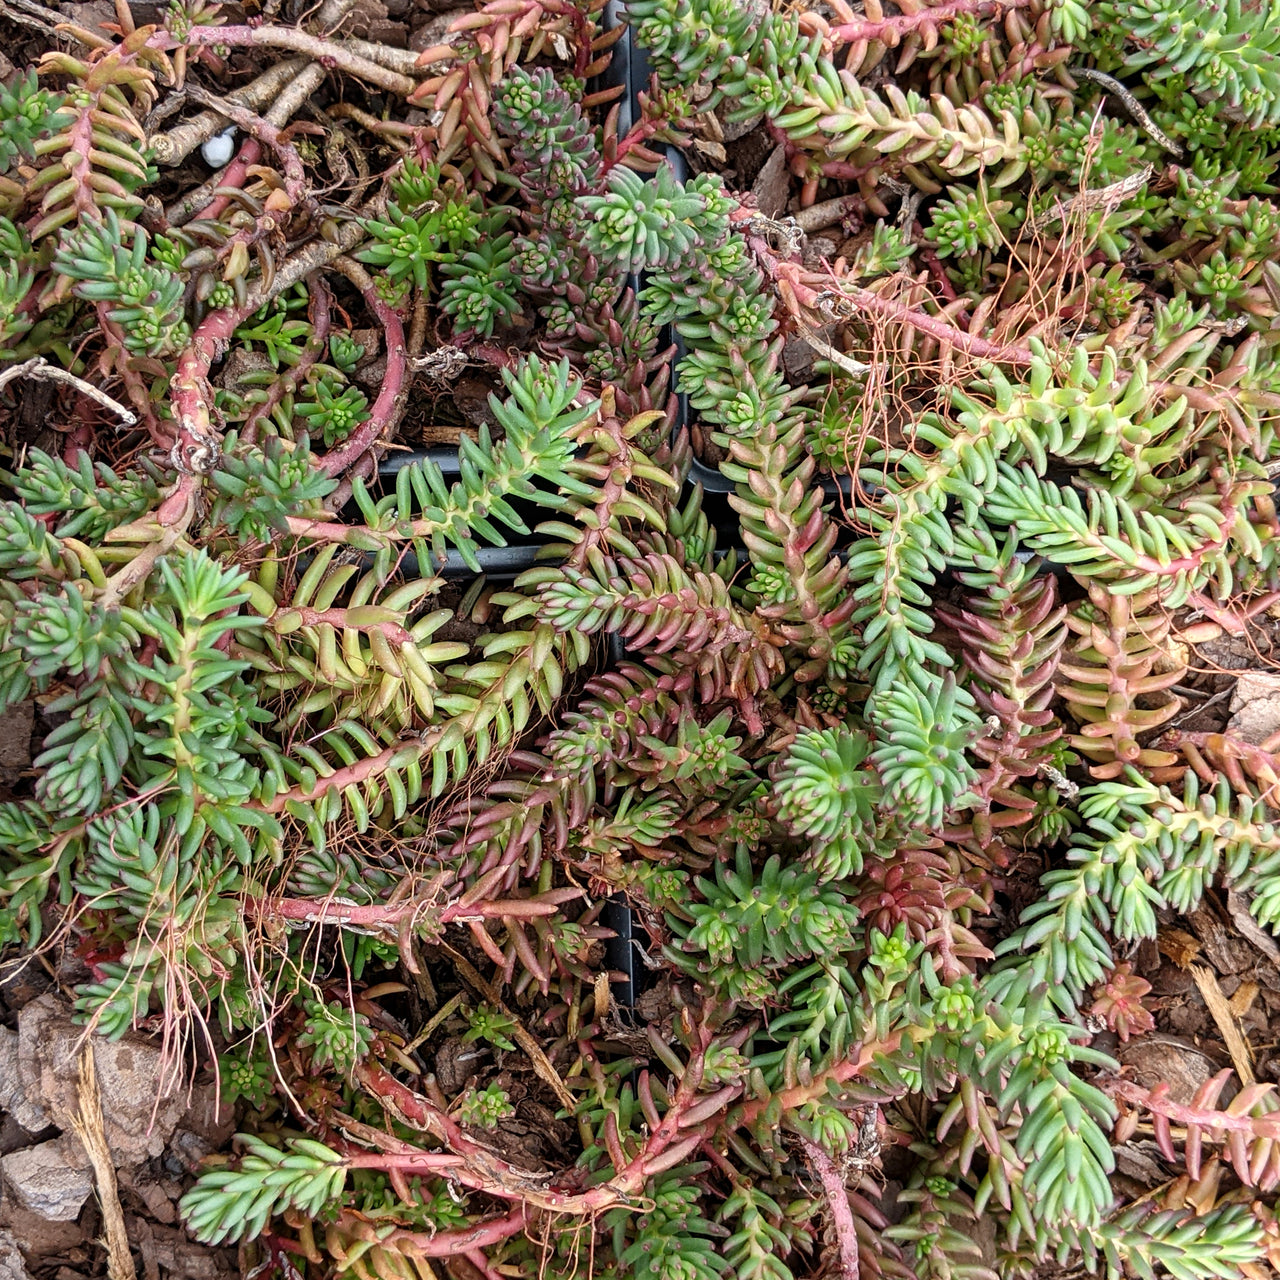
[{"x": 220, "y": 148}]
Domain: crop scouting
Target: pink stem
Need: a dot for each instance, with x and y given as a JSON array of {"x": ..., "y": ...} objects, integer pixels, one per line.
[
  {"x": 263, "y": 131},
  {"x": 318, "y": 313},
  {"x": 337, "y": 617},
  {"x": 636, "y": 137},
  {"x": 237, "y": 173},
  {"x": 890, "y": 31},
  {"x": 461, "y": 1240},
  {"x": 191, "y": 397},
  {"x": 670, "y": 1141},
  {"x": 929, "y": 256},
  {"x": 363, "y": 470},
  {"x": 838, "y": 1202},
  {"x": 481, "y": 1263},
  {"x": 80, "y": 168},
  {"x": 370, "y": 431},
  {"x": 1229, "y": 619}
]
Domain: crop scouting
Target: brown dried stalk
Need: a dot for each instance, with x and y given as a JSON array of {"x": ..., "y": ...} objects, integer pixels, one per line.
[
  {"x": 40, "y": 369},
  {"x": 420, "y": 912},
  {"x": 813, "y": 298},
  {"x": 178, "y": 143}
]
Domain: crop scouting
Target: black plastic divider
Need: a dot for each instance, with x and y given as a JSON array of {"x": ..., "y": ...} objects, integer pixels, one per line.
[{"x": 629, "y": 68}]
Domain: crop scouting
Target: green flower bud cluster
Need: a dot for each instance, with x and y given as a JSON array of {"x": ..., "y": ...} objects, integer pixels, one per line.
[
  {"x": 751, "y": 924},
  {"x": 553, "y": 147},
  {"x": 334, "y": 410},
  {"x": 970, "y": 220},
  {"x": 485, "y": 1108},
  {"x": 338, "y": 1037},
  {"x": 652, "y": 224},
  {"x": 826, "y": 791},
  {"x": 27, "y": 113},
  {"x": 920, "y": 753},
  {"x": 480, "y": 292},
  {"x": 144, "y": 298}
]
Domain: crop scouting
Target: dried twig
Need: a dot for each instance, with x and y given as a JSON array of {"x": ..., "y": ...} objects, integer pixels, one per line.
[
  {"x": 1237, "y": 1046},
  {"x": 532, "y": 1049},
  {"x": 40, "y": 369},
  {"x": 1132, "y": 105},
  {"x": 338, "y": 54},
  {"x": 1248, "y": 926},
  {"x": 91, "y": 1130},
  {"x": 174, "y": 146}
]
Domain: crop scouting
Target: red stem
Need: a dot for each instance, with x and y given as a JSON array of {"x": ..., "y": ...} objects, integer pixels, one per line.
[
  {"x": 636, "y": 137},
  {"x": 338, "y": 617},
  {"x": 263, "y": 131},
  {"x": 460, "y": 1241},
  {"x": 802, "y": 290},
  {"x": 196, "y": 448}
]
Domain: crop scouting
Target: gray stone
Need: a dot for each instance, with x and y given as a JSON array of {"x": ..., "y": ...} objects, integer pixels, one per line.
[
  {"x": 139, "y": 1120},
  {"x": 93, "y": 16},
  {"x": 13, "y": 1099},
  {"x": 215, "y": 1124},
  {"x": 12, "y": 1264},
  {"x": 1231, "y": 653},
  {"x": 436, "y": 31},
  {"x": 1255, "y": 706},
  {"x": 9, "y": 1084},
  {"x": 51, "y": 1180}
]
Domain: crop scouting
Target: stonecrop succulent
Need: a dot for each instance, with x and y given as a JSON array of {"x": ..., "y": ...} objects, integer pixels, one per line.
[{"x": 722, "y": 815}]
